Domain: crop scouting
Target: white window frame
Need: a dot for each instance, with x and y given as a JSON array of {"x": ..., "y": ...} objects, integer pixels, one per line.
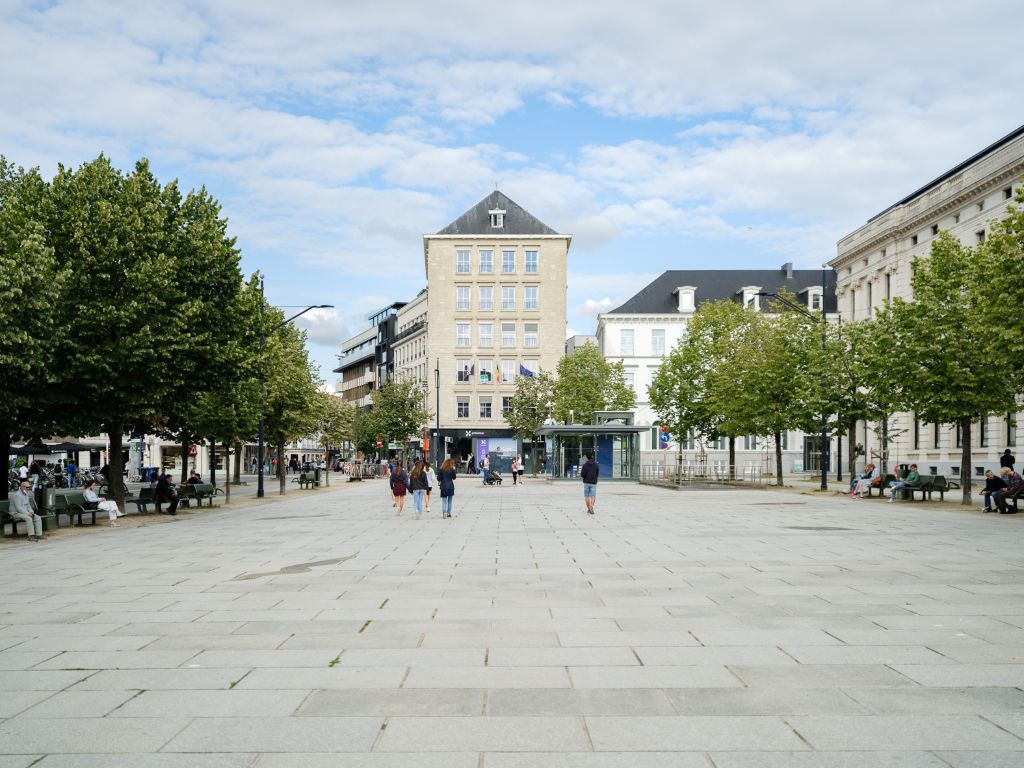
[
  {"x": 463, "y": 299},
  {"x": 508, "y": 298},
  {"x": 505, "y": 256},
  {"x": 486, "y": 264},
  {"x": 509, "y": 369},
  {"x": 462, "y": 262},
  {"x": 488, "y": 401},
  {"x": 463, "y": 339},
  {"x": 486, "y": 365},
  {"x": 506, "y": 405},
  {"x": 508, "y": 340},
  {"x": 485, "y": 339},
  {"x": 463, "y": 366},
  {"x": 531, "y": 264},
  {"x": 460, "y": 401},
  {"x": 655, "y": 350},
  {"x": 485, "y": 298},
  {"x": 627, "y": 350},
  {"x": 529, "y": 303},
  {"x": 531, "y": 339}
]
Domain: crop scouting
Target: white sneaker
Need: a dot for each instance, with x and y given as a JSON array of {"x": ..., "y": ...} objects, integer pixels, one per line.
[{"x": 891, "y": 499}]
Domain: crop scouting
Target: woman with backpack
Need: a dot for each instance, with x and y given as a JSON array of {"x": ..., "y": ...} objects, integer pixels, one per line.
[
  {"x": 399, "y": 487},
  {"x": 446, "y": 480}
]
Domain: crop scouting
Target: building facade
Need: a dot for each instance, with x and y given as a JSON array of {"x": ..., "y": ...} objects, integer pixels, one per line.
[
  {"x": 641, "y": 331},
  {"x": 874, "y": 265},
  {"x": 496, "y": 309}
]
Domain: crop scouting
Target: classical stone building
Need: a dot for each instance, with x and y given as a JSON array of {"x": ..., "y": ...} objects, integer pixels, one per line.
[
  {"x": 640, "y": 332},
  {"x": 496, "y": 310},
  {"x": 873, "y": 265}
]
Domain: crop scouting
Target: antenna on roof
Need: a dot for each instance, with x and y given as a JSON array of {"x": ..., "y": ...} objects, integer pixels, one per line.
[{"x": 495, "y": 186}]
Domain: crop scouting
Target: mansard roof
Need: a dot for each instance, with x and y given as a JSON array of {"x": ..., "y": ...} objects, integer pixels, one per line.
[
  {"x": 659, "y": 297},
  {"x": 517, "y": 220}
]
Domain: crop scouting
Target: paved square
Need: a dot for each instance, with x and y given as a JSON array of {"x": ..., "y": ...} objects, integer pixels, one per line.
[{"x": 724, "y": 628}]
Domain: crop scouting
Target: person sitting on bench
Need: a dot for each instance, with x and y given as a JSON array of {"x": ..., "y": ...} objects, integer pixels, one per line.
[
  {"x": 912, "y": 480},
  {"x": 94, "y": 501}
]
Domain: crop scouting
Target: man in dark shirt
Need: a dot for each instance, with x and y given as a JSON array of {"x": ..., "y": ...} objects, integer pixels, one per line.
[
  {"x": 1007, "y": 459},
  {"x": 589, "y": 472},
  {"x": 165, "y": 491}
]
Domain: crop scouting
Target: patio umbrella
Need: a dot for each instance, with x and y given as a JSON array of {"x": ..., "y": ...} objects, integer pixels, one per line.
[
  {"x": 31, "y": 449},
  {"x": 69, "y": 447}
]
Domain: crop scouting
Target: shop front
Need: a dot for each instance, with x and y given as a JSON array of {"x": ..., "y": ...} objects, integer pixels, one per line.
[{"x": 616, "y": 449}]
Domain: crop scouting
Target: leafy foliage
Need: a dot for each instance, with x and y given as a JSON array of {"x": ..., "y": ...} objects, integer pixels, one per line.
[
  {"x": 531, "y": 402},
  {"x": 586, "y": 382},
  {"x": 398, "y": 410}
]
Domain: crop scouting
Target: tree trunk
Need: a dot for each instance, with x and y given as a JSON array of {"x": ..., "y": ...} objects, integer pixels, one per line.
[
  {"x": 5, "y": 449},
  {"x": 213, "y": 462},
  {"x": 885, "y": 444},
  {"x": 327, "y": 470},
  {"x": 965, "y": 460},
  {"x": 280, "y": 467},
  {"x": 115, "y": 462},
  {"x": 184, "y": 459},
  {"x": 778, "y": 458},
  {"x": 851, "y": 448},
  {"x": 732, "y": 457},
  {"x": 238, "y": 462}
]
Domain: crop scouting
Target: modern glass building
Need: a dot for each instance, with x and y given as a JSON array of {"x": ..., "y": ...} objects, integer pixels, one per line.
[{"x": 613, "y": 438}]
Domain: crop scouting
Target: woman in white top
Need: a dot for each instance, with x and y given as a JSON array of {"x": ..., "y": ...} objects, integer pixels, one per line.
[
  {"x": 94, "y": 501},
  {"x": 431, "y": 481}
]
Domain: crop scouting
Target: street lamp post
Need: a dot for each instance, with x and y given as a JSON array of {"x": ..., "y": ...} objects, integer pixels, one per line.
[{"x": 259, "y": 448}]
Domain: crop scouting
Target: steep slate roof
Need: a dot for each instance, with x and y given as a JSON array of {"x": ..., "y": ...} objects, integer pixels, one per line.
[
  {"x": 718, "y": 284},
  {"x": 477, "y": 220}
]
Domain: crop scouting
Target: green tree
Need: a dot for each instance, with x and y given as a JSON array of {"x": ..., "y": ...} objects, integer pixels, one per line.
[
  {"x": 229, "y": 415},
  {"x": 942, "y": 349},
  {"x": 399, "y": 410},
  {"x": 364, "y": 432},
  {"x": 532, "y": 402},
  {"x": 30, "y": 285},
  {"x": 335, "y": 422},
  {"x": 691, "y": 389},
  {"x": 769, "y": 382},
  {"x": 125, "y": 335},
  {"x": 291, "y": 386},
  {"x": 586, "y": 382},
  {"x": 1000, "y": 288}
]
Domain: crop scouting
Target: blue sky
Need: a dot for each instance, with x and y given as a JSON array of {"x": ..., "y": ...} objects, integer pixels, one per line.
[{"x": 661, "y": 135}]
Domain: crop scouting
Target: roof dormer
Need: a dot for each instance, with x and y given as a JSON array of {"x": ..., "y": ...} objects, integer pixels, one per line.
[
  {"x": 687, "y": 298},
  {"x": 497, "y": 218},
  {"x": 751, "y": 296}
]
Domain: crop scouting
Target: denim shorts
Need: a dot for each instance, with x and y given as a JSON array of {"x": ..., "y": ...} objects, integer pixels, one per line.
[{"x": 590, "y": 490}]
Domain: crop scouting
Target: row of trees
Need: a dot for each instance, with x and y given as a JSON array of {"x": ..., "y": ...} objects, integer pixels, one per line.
[
  {"x": 125, "y": 311},
  {"x": 952, "y": 355}
]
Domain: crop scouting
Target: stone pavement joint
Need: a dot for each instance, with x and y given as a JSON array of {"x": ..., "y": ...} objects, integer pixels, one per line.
[{"x": 733, "y": 628}]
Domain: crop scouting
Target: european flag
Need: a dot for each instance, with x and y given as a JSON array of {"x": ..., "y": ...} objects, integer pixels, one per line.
[{"x": 524, "y": 371}]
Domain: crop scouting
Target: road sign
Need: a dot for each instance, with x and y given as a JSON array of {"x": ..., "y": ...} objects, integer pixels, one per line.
[
  {"x": 193, "y": 450},
  {"x": 380, "y": 443},
  {"x": 665, "y": 437}
]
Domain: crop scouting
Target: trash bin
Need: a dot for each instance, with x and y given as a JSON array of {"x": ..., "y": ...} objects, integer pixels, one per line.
[
  {"x": 46, "y": 500},
  {"x": 316, "y": 477}
]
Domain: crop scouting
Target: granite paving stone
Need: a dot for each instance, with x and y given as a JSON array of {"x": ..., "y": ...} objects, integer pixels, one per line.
[{"x": 692, "y": 628}]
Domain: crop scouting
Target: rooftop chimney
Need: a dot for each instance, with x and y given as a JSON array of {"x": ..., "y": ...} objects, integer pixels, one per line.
[{"x": 788, "y": 269}]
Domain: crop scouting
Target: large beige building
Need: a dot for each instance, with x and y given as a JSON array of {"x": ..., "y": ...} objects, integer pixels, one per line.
[
  {"x": 496, "y": 310},
  {"x": 873, "y": 265}
]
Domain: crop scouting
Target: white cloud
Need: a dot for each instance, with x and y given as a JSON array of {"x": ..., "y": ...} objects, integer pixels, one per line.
[{"x": 326, "y": 327}]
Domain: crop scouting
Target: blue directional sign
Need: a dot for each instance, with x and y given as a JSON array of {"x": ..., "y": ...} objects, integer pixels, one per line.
[{"x": 665, "y": 437}]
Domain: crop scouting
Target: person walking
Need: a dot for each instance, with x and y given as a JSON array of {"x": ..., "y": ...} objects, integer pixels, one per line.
[
  {"x": 515, "y": 469},
  {"x": 23, "y": 508},
  {"x": 1007, "y": 459},
  {"x": 34, "y": 471},
  {"x": 418, "y": 486},
  {"x": 589, "y": 472},
  {"x": 1013, "y": 485},
  {"x": 471, "y": 467},
  {"x": 912, "y": 480},
  {"x": 94, "y": 501},
  {"x": 72, "y": 471},
  {"x": 993, "y": 485},
  {"x": 399, "y": 487},
  {"x": 431, "y": 482},
  {"x": 446, "y": 478},
  {"x": 522, "y": 468},
  {"x": 485, "y": 466}
]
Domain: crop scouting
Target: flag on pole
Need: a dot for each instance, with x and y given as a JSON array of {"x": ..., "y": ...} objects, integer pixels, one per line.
[{"x": 524, "y": 371}]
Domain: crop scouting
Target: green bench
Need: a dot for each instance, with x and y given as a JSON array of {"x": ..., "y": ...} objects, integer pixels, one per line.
[
  {"x": 49, "y": 520},
  {"x": 205, "y": 491},
  {"x": 145, "y": 497},
  {"x": 70, "y": 502},
  {"x": 306, "y": 481}
]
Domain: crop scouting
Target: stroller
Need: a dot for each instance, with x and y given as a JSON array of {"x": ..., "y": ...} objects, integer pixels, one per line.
[{"x": 493, "y": 478}]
